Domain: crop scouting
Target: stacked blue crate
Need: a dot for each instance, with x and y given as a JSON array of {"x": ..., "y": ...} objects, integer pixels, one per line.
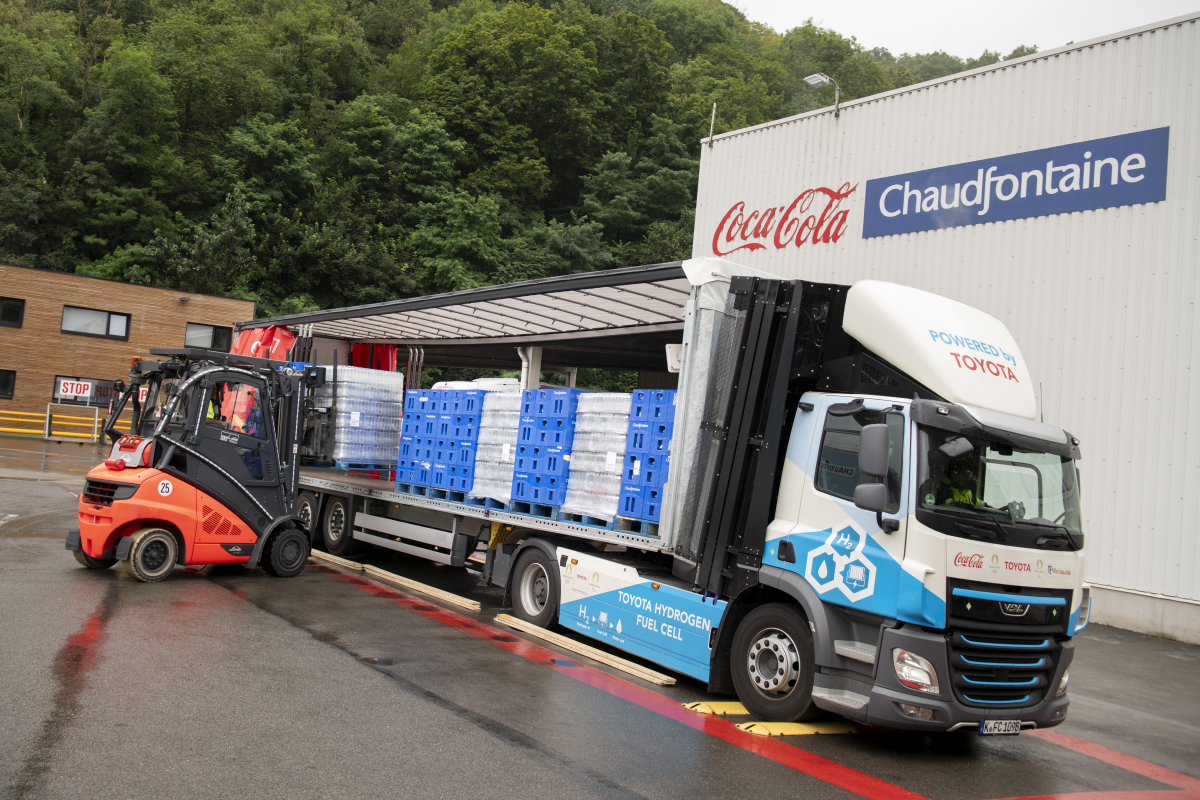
[
  {"x": 544, "y": 439},
  {"x": 647, "y": 454},
  {"x": 417, "y": 437}
]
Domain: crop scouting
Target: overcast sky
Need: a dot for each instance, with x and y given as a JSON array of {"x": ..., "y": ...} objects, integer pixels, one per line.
[{"x": 966, "y": 28}]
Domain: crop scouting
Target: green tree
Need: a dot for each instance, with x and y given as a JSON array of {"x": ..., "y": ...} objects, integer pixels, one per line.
[{"x": 213, "y": 258}]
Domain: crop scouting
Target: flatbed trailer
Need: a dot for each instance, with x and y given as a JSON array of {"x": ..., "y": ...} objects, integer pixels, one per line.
[{"x": 812, "y": 551}]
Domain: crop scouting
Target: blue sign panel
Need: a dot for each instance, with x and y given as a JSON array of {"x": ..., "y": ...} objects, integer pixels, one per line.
[{"x": 1115, "y": 171}]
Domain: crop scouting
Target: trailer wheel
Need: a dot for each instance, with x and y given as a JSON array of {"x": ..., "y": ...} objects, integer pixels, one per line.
[
  {"x": 93, "y": 563},
  {"x": 772, "y": 664},
  {"x": 335, "y": 529},
  {"x": 535, "y": 594},
  {"x": 152, "y": 555},
  {"x": 286, "y": 553},
  {"x": 306, "y": 510}
]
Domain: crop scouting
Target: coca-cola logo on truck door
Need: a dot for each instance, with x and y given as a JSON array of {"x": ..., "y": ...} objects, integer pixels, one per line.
[{"x": 797, "y": 223}]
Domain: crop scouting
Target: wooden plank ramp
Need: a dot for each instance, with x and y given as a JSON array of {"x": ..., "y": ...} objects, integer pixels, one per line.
[{"x": 637, "y": 670}]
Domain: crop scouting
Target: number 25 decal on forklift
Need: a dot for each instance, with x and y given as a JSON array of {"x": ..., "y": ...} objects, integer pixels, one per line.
[
  {"x": 840, "y": 564},
  {"x": 164, "y": 488}
]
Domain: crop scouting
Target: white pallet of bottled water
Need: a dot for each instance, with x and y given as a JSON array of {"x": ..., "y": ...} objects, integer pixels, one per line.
[
  {"x": 597, "y": 454},
  {"x": 370, "y": 409},
  {"x": 499, "y": 424},
  {"x": 605, "y": 403}
]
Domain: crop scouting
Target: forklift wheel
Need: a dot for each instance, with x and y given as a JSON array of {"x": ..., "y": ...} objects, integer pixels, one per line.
[
  {"x": 286, "y": 553},
  {"x": 152, "y": 555},
  {"x": 93, "y": 563}
]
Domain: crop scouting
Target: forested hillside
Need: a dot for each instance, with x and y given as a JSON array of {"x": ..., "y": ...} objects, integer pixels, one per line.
[{"x": 316, "y": 153}]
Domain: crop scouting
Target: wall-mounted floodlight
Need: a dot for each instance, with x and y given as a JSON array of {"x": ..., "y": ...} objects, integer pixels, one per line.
[{"x": 820, "y": 80}]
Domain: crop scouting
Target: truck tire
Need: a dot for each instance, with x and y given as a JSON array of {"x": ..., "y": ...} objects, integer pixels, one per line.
[
  {"x": 285, "y": 553},
  {"x": 535, "y": 588},
  {"x": 336, "y": 526},
  {"x": 306, "y": 510},
  {"x": 152, "y": 555},
  {"x": 773, "y": 664},
  {"x": 93, "y": 563}
]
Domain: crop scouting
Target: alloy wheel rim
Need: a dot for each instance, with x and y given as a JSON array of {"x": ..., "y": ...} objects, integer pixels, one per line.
[
  {"x": 535, "y": 588},
  {"x": 773, "y": 664}
]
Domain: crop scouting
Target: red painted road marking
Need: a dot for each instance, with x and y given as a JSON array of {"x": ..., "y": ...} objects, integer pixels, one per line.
[
  {"x": 821, "y": 768},
  {"x": 801, "y": 760},
  {"x": 1189, "y": 788}
]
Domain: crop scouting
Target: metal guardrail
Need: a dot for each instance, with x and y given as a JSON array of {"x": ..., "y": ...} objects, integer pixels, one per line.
[
  {"x": 10, "y": 418},
  {"x": 58, "y": 426}
]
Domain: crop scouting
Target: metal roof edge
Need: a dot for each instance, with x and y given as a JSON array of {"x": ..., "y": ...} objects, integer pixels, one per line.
[
  {"x": 1000, "y": 65},
  {"x": 533, "y": 338},
  {"x": 646, "y": 273}
]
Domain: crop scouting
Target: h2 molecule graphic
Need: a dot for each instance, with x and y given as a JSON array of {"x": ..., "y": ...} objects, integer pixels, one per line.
[{"x": 840, "y": 564}]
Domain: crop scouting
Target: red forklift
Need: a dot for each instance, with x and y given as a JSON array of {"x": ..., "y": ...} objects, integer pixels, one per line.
[{"x": 207, "y": 473}]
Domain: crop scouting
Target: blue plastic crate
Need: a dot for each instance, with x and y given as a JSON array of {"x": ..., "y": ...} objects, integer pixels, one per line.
[
  {"x": 546, "y": 431},
  {"x": 408, "y": 447},
  {"x": 640, "y": 502},
  {"x": 530, "y": 487},
  {"x": 463, "y": 452},
  {"x": 419, "y": 400},
  {"x": 638, "y": 439},
  {"x": 645, "y": 469},
  {"x": 460, "y": 477},
  {"x": 550, "y": 402},
  {"x": 439, "y": 476},
  {"x": 465, "y": 427}
]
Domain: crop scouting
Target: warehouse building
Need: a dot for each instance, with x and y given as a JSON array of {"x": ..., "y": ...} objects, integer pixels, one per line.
[
  {"x": 65, "y": 338},
  {"x": 1059, "y": 192}
]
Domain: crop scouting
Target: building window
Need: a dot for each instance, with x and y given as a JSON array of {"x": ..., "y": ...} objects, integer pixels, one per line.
[
  {"x": 209, "y": 337},
  {"x": 8, "y": 383},
  {"x": 90, "y": 322},
  {"x": 12, "y": 312}
]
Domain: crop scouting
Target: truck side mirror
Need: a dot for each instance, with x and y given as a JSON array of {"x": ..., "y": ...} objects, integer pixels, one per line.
[
  {"x": 873, "y": 450},
  {"x": 871, "y": 497}
]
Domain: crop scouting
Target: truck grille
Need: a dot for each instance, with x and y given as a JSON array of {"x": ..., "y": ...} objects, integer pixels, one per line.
[
  {"x": 1001, "y": 671},
  {"x": 99, "y": 493}
]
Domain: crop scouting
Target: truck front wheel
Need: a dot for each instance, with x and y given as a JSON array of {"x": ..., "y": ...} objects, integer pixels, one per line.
[
  {"x": 535, "y": 593},
  {"x": 772, "y": 664}
]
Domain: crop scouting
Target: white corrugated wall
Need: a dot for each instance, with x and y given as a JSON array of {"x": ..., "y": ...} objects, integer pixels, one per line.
[{"x": 1103, "y": 303}]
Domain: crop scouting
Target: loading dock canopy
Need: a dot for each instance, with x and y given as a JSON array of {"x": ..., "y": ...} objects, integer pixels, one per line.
[{"x": 614, "y": 319}]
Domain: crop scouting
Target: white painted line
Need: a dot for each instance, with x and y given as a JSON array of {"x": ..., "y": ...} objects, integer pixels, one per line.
[
  {"x": 637, "y": 670},
  {"x": 446, "y": 597},
  {"x": 7, "y": 517}
]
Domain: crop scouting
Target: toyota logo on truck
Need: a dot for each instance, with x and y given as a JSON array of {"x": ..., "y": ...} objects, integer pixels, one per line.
[
  {"x": 784, "y": 225},
  {"x": 974, "y": 560}
]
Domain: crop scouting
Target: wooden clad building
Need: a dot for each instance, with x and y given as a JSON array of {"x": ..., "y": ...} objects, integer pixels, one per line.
[{"x": 65, "y": 338}]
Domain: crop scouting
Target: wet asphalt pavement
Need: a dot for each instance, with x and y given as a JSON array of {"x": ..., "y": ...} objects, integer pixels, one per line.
[{"x": 229, "y": 683}]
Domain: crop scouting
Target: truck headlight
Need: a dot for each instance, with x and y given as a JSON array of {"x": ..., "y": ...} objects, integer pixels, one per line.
[
  {"x": 1062, "y": 685},
  {"x": 915, "y": 672}
]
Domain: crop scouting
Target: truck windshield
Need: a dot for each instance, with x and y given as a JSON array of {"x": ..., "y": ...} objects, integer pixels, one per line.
[{"x": 997, "y": 480}]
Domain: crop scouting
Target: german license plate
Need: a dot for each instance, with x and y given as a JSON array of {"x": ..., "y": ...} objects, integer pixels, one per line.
[{"x": 999, "y": 727}]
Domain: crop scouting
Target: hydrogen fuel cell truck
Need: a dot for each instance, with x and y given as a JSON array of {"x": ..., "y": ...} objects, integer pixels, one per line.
[{"x": 864, "y": 514}]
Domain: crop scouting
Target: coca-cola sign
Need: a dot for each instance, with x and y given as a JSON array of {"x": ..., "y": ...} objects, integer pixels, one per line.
[
  {"x": 796, "y": 223},
  {"x": 972, "y": 560}
]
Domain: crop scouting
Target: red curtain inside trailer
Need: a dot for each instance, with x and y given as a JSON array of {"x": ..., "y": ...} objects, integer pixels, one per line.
[
  {"x": 373, "y": 356},
  {"x": 273, "y": 341}
]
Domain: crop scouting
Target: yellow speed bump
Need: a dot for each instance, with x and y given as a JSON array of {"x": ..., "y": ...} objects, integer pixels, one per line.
[
  {"x": 796, "y": 728},
  {"x": 719, "y": 709}
]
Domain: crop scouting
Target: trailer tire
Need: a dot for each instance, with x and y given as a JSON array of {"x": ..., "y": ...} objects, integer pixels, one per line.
[
  {"x": 336, "y": 527},
  {"x": 535, "y": 588},
  {"x": 306, "y": 510},
  {"x": 772, "y": 661},
  {"x": 286, "y": 553},
  {"x": 92, "y": 563},
  {"x": 153, "y": 553}
]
